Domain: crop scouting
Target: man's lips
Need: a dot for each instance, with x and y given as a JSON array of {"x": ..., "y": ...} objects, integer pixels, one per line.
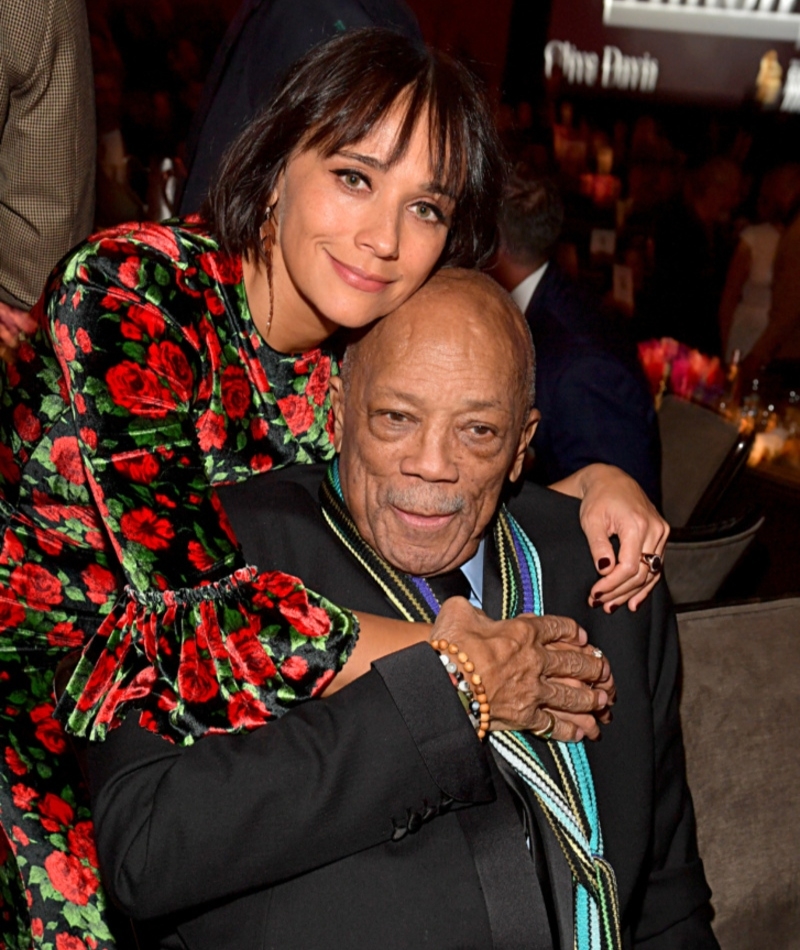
[
  {"x": 360, "y": 279},
  {"x": 416, "y": 520}
]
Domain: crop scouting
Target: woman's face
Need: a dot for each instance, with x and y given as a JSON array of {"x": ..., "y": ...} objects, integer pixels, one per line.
[{"x": 354, "y": 236}]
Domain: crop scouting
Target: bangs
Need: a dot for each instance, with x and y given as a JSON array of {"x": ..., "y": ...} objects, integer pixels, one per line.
[
  {"x": 447, "y": 138},
  {"x": 336, "y": 96}
]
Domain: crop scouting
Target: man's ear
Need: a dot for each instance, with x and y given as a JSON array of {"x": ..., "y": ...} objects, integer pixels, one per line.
[
  {"x": 337, "y": 404},
  {"x": 528, "y": 432}
]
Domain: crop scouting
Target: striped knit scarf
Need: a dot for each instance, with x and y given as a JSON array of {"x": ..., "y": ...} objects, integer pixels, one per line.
[{"x": 567, "y": 800}]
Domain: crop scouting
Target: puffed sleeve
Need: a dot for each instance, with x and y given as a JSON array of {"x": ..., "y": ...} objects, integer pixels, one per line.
[{"x": 198, "y": 641}]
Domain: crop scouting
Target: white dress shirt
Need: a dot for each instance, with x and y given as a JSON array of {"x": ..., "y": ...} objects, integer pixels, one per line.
[{"x": 523, "y": 293}]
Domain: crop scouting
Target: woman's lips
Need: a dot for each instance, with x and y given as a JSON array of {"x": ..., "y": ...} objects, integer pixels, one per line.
[
  {"x": 415, "y": 520},
  {"x": 361, "y": 280}
]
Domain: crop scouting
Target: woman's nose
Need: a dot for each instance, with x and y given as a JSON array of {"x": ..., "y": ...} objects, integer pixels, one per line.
[{"x": 380, "y": 231}]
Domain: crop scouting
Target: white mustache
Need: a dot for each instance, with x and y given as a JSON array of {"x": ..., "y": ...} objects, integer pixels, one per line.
[{"x": 423, "y": 503}]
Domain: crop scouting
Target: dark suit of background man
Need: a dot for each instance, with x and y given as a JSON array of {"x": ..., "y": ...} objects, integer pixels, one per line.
[
  {"x": 374, "y": 819},
  {"x": 593, "y": 397},
  {"x": 264, "y": 39}
]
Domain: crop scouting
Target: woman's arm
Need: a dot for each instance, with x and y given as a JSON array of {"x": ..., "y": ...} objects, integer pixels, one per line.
[
  {"x": 151, "y": 364},
  {"x": 546, "y": 658},
  {"x": 327, "y": 780},
  {"x": 280, "y": 801},
  {"x": 613, "y": 504},
  {"x": 378, "y": 637}
]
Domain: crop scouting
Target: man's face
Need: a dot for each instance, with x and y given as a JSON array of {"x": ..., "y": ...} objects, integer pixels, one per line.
[{"x": 428, "y": 431}]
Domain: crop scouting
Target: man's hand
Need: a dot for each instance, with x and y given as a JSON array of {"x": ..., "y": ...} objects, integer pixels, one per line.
[{"x": 531, "y": 665}]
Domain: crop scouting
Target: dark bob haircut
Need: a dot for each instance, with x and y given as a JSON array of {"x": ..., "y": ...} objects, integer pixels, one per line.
[{"x": 333, "y": 97}]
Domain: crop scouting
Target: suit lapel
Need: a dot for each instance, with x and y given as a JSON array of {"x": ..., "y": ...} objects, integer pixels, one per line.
[
  {"x": 511, "y": 887},
  {"x": 557, "y": 868}
]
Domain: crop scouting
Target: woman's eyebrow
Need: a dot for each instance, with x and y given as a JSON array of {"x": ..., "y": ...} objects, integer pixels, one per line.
[
  {"x": 369, "y": 160},
  {"x": 435, "y": 187}
]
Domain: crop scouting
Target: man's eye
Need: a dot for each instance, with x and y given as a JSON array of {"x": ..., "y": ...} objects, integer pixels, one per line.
[
  {"x": 395, "y": 417},
  {"x": 482, "y": 431}
]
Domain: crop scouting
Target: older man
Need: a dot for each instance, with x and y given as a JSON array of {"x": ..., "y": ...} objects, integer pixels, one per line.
[{"x": 376, "y": 817}]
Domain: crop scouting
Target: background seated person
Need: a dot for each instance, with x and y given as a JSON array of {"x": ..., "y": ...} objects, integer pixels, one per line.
[
  {"x": 594, "y": 400},
  {"x": 375, "y": 817}
]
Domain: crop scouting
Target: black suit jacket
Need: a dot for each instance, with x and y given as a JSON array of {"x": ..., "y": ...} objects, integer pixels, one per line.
[
  {"x": 594, "y": 399},
  {"x": 375, "y": 818},
  {"x": 264, "y": 39}
]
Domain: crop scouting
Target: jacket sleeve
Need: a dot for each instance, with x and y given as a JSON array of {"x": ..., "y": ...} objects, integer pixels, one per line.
[
  {"x": 47, "y": 156},
  {"x": 198, "y": 640},
  {"x": 675, "y": 910},
  {"x": 178, "y": 827}
]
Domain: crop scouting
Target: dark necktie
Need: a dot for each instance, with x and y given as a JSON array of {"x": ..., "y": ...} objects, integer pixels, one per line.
[{"x": 450, "y": 584}]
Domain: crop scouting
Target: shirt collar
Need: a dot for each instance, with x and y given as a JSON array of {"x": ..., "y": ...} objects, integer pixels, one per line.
[
  {"x": 523, "y": 293},
  {"x": 473, "y": 571}
]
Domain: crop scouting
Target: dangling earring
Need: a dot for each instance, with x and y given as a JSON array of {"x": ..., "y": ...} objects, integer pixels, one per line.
[{"x": 267, "y": 235}]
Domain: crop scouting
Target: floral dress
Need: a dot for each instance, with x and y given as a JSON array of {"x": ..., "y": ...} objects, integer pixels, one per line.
[{"x": 146, "y": 385}]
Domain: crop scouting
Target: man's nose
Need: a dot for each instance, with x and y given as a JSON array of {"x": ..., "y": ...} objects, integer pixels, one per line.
[
  {"x": 432, "y": 457},
  {"x": 380, "y": 230}
]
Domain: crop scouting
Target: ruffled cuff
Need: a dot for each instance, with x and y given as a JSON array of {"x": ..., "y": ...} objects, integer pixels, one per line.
[{"x": 225, "y": 657}]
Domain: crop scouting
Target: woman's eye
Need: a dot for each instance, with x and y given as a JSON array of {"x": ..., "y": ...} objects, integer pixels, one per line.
[
  {"x": 354, "y": 180},
  {"x": 428, "y": 212}
]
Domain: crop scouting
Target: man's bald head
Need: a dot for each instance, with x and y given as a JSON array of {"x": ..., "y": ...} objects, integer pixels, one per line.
[
  {"x": 467, "y": 302},
  {"x": 432, "y": 415}
]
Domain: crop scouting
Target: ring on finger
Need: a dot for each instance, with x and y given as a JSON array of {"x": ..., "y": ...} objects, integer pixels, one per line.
[
  {"x": 654, "y": 563},
  {"x": 547, "y": 732}
]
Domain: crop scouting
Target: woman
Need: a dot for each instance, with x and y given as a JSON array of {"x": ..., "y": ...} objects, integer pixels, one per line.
[
  {"x": 747, "y": 297},
  {"x": 162, "y": 372}
]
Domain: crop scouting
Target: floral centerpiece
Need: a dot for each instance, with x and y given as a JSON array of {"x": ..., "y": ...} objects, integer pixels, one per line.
[{"x": 673, "y": 367}]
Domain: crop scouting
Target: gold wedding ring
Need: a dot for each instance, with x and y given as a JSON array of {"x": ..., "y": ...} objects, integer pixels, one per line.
[{"x": 548, "y": 730}]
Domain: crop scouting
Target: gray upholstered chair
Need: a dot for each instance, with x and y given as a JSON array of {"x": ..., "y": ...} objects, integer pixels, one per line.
[
  {"x": 699, "y": 559},
  {"x": 696, "y": 443},
  {"x": 741, "y": 711}
]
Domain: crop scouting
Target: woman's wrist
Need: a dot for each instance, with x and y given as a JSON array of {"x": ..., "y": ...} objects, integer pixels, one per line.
[
  {"x": 378, "y": 637},
  {"x": 579, "y": 483}
]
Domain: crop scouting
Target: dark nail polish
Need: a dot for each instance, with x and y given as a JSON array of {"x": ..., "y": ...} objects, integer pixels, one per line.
[
  {"x": 612, "y": 608},
  {"x": 597, "y": 602},
  {"x": 603, "y": 563}
]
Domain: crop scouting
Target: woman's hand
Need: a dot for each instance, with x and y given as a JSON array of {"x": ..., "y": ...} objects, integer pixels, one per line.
[
  {"x": 13, "y": 323},
  {"x": 531, "y": 666},
  {"x": 614, "y": 504}
]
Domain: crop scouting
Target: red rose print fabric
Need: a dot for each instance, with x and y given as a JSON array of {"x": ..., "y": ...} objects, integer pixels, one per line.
[
  {"x": 50, "y": 891},
  {"x": 146, "y": 386}
]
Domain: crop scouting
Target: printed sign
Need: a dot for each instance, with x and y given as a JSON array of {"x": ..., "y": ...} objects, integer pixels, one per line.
[{"x": 707, "y": 50}]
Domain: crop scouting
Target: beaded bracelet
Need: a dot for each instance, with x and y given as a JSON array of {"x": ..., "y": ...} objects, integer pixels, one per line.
[{"x": 469, "y": 686}]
